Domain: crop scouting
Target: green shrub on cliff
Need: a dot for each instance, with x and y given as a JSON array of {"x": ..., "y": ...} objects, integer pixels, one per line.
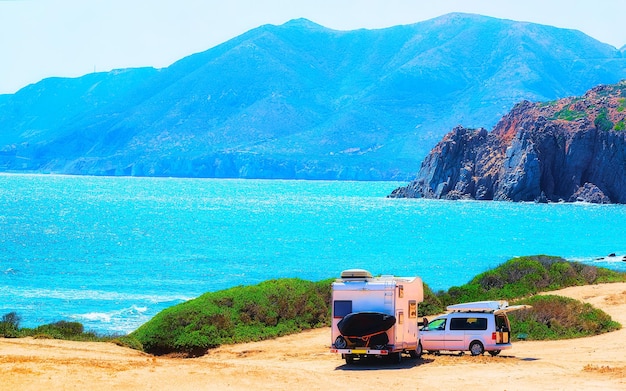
[
  {"x": 246, "y": 313},
  {"x": 602, "y": 121},
  {"x": 568, "y": 114}
]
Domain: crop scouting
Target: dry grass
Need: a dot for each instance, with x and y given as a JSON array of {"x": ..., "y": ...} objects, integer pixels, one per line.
[
  {"x": 619, "y": 372},
  {"x": 616, "y": 299}
]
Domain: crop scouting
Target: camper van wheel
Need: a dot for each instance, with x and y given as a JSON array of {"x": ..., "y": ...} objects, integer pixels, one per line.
[
  {"x": 417, "y": 353},
  {"x": 349, "y": 359},
  {"x": 340, "y": 342},
  {"x": 494, "y": 352},
  {"x": 397, "y": 357},
  {"x": 476, "y": 348}
]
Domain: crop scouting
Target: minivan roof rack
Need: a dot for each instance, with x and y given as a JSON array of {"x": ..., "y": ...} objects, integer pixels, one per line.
[{"x": 478, "y": 306}]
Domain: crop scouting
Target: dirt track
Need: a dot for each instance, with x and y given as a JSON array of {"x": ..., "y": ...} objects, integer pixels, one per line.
[{"x": 302, "y": 362}]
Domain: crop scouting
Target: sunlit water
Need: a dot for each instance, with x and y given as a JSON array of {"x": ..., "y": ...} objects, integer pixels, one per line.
[{"x": 112, "y": 252}]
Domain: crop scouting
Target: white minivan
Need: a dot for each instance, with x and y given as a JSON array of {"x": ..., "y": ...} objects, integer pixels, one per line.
[{"x": 478, "y": 327}]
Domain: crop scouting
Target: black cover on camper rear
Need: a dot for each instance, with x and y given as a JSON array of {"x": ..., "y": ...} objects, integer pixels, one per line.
[{"x": 360, "y": 324}]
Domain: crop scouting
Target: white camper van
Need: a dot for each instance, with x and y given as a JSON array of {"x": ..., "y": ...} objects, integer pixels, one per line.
[
  {"x": 479, "y": 327},
  {"x": 375, "y": 316}
]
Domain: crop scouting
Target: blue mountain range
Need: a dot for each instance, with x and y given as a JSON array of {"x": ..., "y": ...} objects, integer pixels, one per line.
[{"x": 300, "y": 101}]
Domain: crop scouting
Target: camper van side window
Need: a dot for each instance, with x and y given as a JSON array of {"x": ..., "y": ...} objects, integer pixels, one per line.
[
  {"x": 412, "y": 309},
  {"x": 342, "y": 308}
]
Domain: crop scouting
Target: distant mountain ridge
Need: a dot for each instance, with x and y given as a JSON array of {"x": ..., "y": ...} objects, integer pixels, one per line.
[
  {"x": 572, "y": 149},
  {"x": 300, "y": 101}
]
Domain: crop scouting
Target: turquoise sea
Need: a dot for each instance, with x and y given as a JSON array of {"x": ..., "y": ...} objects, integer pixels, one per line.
[{"x": 112, "y": 252}]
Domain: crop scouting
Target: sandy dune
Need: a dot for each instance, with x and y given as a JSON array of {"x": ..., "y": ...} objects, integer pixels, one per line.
[{"x": 302, "y": 362}]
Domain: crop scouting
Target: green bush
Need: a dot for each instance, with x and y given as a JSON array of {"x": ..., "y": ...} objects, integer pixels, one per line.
[
  {"x": 10, "y": 325},
  {"x": 246, "y": 313},
  {"x": 73, "y": 331},
  {"x": 128, "y": 342},
  {"x": 556, "y": 317},
  {"x": 431, "y": 304},
  {"x": 526, "y": 276}
]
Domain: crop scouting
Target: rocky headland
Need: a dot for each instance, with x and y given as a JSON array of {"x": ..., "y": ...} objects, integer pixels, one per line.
[{"x": 572, "y": 149}]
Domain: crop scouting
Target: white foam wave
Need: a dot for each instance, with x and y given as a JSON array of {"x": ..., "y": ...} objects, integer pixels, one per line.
[
  {"x": 93, "y": 316},
  {"x": 123, "y": 320},
  {"x": 617, "y": 258},
  {"x": 80, "y": 294}
]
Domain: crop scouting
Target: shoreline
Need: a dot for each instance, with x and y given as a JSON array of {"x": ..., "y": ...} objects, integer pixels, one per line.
[{"x": 303, "y": 362}]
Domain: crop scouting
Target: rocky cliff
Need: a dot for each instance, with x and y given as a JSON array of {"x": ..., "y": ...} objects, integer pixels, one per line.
[{"x": 572, "y": 149}]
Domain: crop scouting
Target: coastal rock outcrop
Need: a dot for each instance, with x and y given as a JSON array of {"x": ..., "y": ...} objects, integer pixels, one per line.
[{"x": 572, "y": 149}]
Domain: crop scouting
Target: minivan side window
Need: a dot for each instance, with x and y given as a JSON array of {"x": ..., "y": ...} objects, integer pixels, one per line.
[{"x": 468, "y": 324}]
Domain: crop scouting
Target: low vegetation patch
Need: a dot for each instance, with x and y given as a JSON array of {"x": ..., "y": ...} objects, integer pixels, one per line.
[
  {"x": 526, "y": 276},
  {"x": 602, "y": 121},
  {"x": 70, "y": 331},
  {"x": 568, "y": 114},
  {"x": 551, "y": 317},
  {"x": 556, "y": 317},
  {"x": 246, "y": 313},
  {"x": 62, "y": 330}
]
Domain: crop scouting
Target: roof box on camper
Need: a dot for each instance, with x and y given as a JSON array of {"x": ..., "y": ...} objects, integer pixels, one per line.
[{"x": 356, "y": 273}]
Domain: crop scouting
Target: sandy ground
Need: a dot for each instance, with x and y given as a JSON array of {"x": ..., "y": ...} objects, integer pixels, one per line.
[{"x": 303, "y": 362}]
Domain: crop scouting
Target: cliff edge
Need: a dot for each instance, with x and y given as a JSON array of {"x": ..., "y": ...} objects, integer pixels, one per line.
[{"x": 572, "y": 149}]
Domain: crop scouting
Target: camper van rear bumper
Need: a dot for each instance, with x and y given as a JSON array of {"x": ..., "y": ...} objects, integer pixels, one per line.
[{"x": 380, "y": 352}]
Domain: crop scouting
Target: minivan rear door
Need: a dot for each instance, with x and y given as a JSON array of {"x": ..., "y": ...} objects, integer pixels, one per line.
[
  {"x": 503, "y": 327},
  {"x": 512, "y": 308}
]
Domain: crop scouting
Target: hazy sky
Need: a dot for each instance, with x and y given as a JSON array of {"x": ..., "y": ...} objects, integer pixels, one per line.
[{"x": 43, "y": 38}]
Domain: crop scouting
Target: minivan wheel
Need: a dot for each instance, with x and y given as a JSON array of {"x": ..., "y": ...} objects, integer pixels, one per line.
[
  {"x": 476, "y": 348},
  {"x": 494, "y": 352}
]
